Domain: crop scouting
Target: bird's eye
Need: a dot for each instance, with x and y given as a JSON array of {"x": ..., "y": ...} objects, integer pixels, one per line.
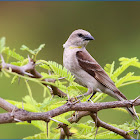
[{"x": 80, "y": 35}]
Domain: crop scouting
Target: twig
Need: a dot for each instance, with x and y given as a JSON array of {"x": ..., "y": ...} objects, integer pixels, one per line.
[{"x": 109, "y": 127}]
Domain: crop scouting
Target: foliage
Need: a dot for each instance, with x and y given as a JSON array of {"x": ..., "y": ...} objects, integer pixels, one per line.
[{"x": 65, "y": 82}]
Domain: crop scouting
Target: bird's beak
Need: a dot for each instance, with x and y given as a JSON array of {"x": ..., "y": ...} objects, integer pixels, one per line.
[{"x": 88, "y": 37}]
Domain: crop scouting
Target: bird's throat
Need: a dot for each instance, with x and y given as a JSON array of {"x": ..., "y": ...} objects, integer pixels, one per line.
[{"x": 71, "y": 47}]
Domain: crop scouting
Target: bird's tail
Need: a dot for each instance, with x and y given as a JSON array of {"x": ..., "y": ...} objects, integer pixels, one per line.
[{"x": 131, "y": 110}]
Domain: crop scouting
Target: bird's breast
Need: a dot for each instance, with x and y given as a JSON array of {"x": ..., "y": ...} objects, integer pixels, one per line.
[{"x": 70, "y": 61}]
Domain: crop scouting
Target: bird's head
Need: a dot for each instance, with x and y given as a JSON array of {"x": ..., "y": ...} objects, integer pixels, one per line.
[{"x": 78, "y": 38}]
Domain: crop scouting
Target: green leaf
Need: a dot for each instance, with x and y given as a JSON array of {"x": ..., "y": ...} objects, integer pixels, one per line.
[
  {"x": 4, "y": 71},
  {"x": 27, "y": 106},
  {"x": 36, "y": 51},
  {"x": 44, "y": 66},
  {"x": 37, "y": 136},
  {"x": 29, "y": 90},
  {"x": 29, "y": 100},
  {"x": 2, "y": 44},
  {"x": 109, "y": 68},
  {"x": 62, "y": 120},
  {"x": 124, "y": 79},
  {"x": 25, "y": 48},
  {"x": 51, "y": 103},
  {"x": 13, "y": 54},
  {"x": 14, "y": 79},
  {"x": 60, "y": 70},
  {"x": 33, "y": 52},
  {"x": 47, "y": 76},
  {"x": 41, "y": 125},
  {"x": 125, "y": 62}
]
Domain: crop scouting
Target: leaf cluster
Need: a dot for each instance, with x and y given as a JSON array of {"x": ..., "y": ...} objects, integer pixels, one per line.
[{"x": 65, "y": 82}]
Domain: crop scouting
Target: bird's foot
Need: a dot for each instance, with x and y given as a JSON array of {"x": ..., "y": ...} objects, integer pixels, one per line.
[
  {"x": 90, "y": 101},
  {"x": 91, "y": 97}
]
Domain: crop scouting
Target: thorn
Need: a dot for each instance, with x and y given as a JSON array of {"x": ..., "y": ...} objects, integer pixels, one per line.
[
  {"x": 95, "y": 119},
  {"x": 55, "y": 120},
  {"x": 22, "y": 105},
  {"x": 29, "y": 58},
  {"x": 19, "y": 80},
  {"x": 76, "y": 114},
  {"x": 12, "y": 113},
  {"x": 75, "y": 102},
  {"x": 29, "y": 74},
  {"x": 52, "y": 97},
  {"x": 136, "y": 99},
  {"x": 47, "y": 128},
  {"x": 96, "y": 132},
  {"x": 49, "y": 87},
  {"x": 38, "y": 63},
  {"x": 137, "y": 136},
  {"x": 68, "y": 97},
  {"x": 2, "y": 58},
  {"x": 49, "y": 72},
  {"x": 61, "y": 78},
  {"x": 58, "y": 127},
  {"x": 17, "y": 120},
  {"x": 130, "y": 131}
]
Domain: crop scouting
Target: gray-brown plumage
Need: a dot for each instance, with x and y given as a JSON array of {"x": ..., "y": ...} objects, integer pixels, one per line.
[{"x": 85, "y": 68}]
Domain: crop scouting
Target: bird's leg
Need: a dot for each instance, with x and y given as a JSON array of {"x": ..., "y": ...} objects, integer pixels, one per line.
[
  {"x": 91, "y": 96},
  {"x": 85, "y": 94}
]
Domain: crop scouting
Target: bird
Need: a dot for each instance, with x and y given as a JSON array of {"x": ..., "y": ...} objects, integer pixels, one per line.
[{"x": 86, "y": 69}]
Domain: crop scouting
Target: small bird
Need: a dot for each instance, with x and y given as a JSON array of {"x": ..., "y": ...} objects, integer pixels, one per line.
[{"x": 86, "y": 70}]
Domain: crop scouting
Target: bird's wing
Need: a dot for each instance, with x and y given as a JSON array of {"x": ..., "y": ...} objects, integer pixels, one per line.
[{"x": 89, "y": 64}]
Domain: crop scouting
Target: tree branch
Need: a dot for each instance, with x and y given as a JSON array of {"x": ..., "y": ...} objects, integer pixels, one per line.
[
  {"x": 6, "y": 105},
  {"x": 27, "y": 116},
  {"x": 23, "y": 115}
]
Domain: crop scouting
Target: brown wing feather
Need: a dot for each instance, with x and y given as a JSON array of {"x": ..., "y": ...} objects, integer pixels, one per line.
[{"x": 89, "y": 64}]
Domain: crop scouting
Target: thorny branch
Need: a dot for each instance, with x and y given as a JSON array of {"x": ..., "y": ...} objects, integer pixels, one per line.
[
  {"x": 82, "y": 109},
  {"x": 29, "y": 69},
  {"x": 100, "y": 123},
  {"x": 22, "y": 115}
]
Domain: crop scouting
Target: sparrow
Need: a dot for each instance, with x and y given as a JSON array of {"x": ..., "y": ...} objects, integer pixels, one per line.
[{"x": 86, "y": 70}]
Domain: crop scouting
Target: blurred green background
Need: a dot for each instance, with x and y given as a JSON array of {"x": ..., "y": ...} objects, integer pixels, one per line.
[{"x": 114, "y": 25}]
